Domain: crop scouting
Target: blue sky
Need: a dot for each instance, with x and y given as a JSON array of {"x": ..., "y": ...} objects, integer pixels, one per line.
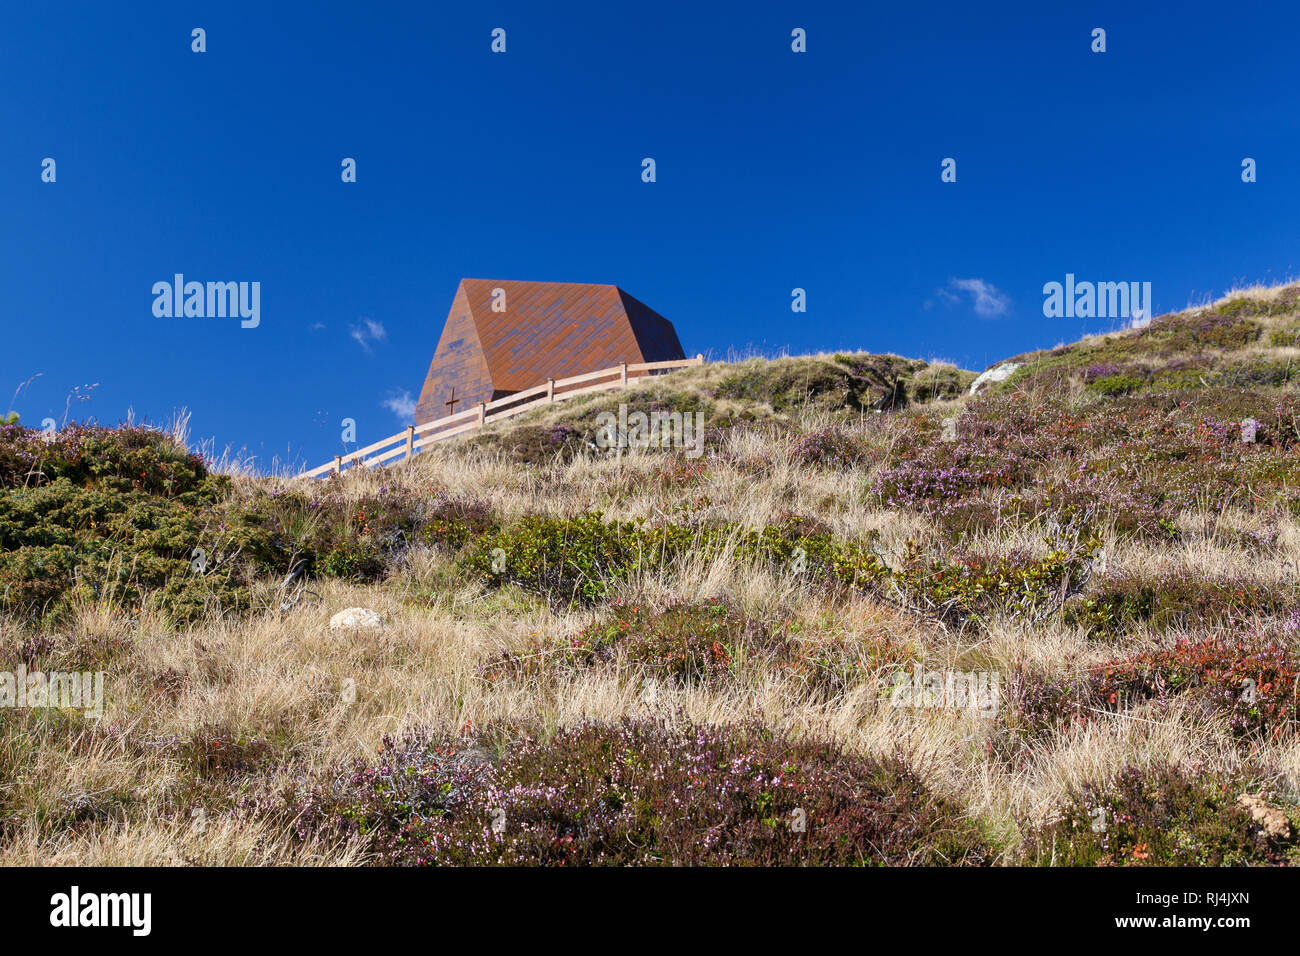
[{"x": 775, "y": 170}]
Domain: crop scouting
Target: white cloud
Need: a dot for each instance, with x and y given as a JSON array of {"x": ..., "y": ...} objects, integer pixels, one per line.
[
  {"x": 401, "y": 404},
  {"x": 987, "y": 299},
  {"x": 369, "y": 331}
]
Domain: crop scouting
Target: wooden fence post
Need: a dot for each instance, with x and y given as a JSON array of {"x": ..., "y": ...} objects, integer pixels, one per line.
[
  {"x": 550, "y": 390},
  {"x": 410, "y": 441},
  {"x": 699, "y": 358},
  {"x": 482, "y": 413},
  {"x": 338, "y": 464},
  {"x": 623, "y": 374}
]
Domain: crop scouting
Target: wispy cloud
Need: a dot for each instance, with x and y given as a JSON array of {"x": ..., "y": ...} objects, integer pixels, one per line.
[
  {"x": 368, "y": 331},
  {"x": 986, "y": 298},
  {"x": 401, "y": 404}
]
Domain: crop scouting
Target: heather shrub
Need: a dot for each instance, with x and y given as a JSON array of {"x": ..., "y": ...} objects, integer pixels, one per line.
[
  {"x": 930, "y": 484},
  {"x": 1125, "y": 505},
  {"x": 831, "y": 664},
  {"x": 1229, "y": 326},
  {"x": 128, "y": 458},
  {"x": 1136, "y": 462},
  {"x": 1099, "y": 371},
  {"x": 678, "y": 471},
  {"x": 1162, "y": 816},
  {"x": 1254, "y": 686},
  {"x": 1178, "y": 352},
  {"x": 831, "y": 447},
  {"x": 633, "y": 793},
  {"x": 217, "y": 750},
  {"x": 1037, "y": 707}
]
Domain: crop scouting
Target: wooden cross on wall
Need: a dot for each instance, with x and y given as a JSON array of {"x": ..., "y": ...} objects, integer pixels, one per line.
[{"x": 451, "y": 405}]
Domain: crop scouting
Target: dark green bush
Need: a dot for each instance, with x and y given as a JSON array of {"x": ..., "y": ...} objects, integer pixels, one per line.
[
  {"x": 117, "y": 515},
  {"x": 354, "y": 560},
  {"x": 59, "y": 539}
]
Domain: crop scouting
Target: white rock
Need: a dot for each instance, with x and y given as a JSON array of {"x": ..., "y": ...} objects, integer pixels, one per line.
[
  {"x": 995, "y": 374},
  {"x": 355, "y": 617}
]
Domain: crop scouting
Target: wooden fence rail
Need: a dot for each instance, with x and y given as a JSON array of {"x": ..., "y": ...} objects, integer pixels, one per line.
[{"x": 418, "y": 437}]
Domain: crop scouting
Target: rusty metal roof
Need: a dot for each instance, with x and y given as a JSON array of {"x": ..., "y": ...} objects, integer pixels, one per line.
[{"x": 497, "y": 342}]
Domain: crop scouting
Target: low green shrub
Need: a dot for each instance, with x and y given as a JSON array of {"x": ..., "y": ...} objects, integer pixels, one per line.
[
  {"x": 1172, "y": 600},
  {"x": 581, "y": 559}
]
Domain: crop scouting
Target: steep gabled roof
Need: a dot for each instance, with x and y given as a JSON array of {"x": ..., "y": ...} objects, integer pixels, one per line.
[{"x": 546, "y": 330}]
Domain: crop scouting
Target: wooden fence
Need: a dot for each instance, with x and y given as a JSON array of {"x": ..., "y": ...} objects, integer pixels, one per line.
[{"x": 405, "y": 444}]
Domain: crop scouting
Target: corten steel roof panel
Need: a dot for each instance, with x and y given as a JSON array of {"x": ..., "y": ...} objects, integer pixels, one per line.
[
  {"x": 658, "y": 338},
  {"x": 458, "y": 362},
  {"x": 548, "y": 330}
]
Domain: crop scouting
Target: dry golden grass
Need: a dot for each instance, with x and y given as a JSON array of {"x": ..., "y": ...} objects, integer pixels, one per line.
[
  {"x": 285, "y": 679},
  {"x": 289, "y": 679}
]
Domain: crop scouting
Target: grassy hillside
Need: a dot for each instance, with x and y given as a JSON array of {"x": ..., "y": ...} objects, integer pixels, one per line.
[{"x": 878, "y": 620}]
